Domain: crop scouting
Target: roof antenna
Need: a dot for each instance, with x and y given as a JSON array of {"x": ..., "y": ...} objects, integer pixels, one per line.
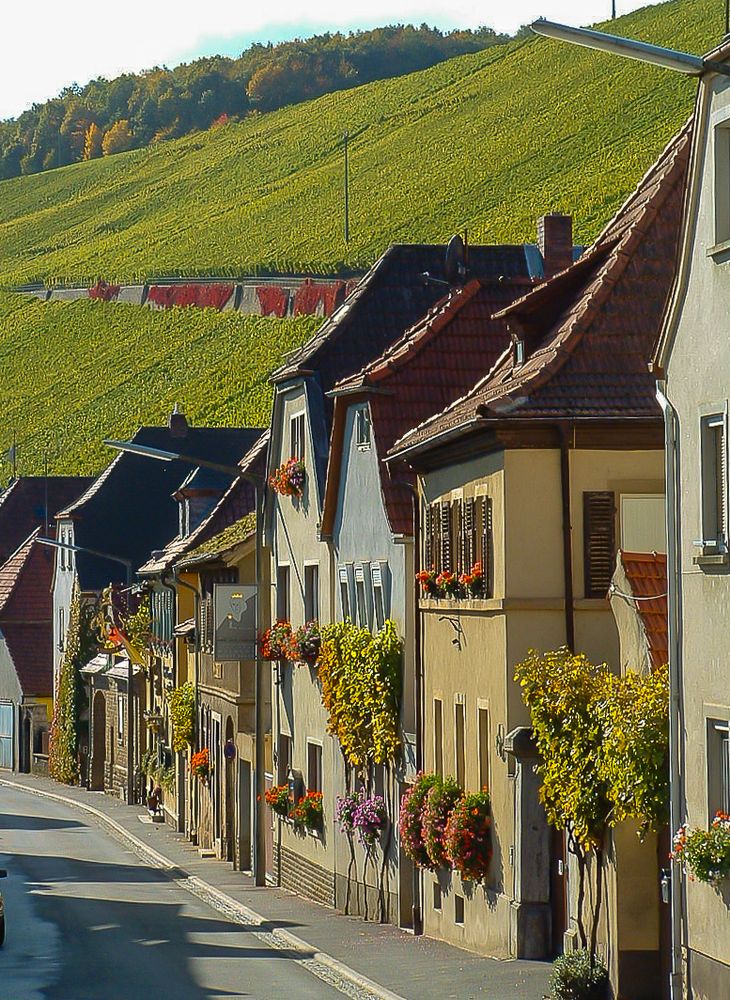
[{"x": 455, "y": 263}]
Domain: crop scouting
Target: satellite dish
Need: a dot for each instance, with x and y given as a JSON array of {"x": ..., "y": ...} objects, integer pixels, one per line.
[{"x": 455, "y": 264}]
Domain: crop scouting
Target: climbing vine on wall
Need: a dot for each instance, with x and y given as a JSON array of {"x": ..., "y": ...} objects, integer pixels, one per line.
[
  {"x": 81, "y": 646},
  {"x": 360, "y": 676},
  {"x": 182, "y": 714}
]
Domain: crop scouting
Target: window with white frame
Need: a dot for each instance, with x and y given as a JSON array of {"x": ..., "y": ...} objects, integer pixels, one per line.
[
  {"x": 713, "y": 449},
  {"x": 296, "y": 435},
  {"x": 311, "y": 592},
  {"x": 314, "y": 766},
  {"x": 362, "y": 428},
  {"x": 347, "y": 599},
  {"x": 61, "y": 628},
  {"x": 722, "y": 182},
  {"x": 718, "y": 767},
  {"x": 379, "y": 604},
  {"x": 361, "y": 598}
]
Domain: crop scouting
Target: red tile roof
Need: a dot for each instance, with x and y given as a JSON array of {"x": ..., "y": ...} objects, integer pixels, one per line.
[
  {"x": 646, "y": 573},
  {"x": 26, "y": 615},
  {"x": 428, "y": 367},
  {"x": 589, "y": 332}
]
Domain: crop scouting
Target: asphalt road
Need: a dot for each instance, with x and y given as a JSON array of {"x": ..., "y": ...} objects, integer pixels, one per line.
[{"x": 87, "y": 920}]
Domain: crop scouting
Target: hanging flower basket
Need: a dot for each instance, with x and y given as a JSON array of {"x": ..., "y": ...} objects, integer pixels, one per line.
[
  {"x": 411, "y": 829},
  {"x": 305, "y": 643},
  {"x": 288, "y": 479},
  {"x": 369, "y": 819},
  {"x": 200, "y": 765},
  {"x": 704, "y": 854},
  {"x": 468, "y": 836},
  {"x": 437, "y": 805},
  {"x": 276, "y": 642},
  {"x": 277, "y": 798}
]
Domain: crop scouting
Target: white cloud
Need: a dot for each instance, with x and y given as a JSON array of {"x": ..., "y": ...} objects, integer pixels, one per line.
[{"x": 45, "y": 46}]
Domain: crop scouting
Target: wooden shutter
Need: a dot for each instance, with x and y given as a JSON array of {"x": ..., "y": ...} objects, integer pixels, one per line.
[
  {"x": 428, "y": 547},
  {"x": 599, "y": 541},
  {"x": 469, "y": 537},
  {"x": 445, "y": 532},
  {"x": 486, "y": 544}
]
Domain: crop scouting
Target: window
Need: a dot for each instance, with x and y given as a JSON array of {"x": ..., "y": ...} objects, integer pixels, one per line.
[
  {"x": 361, "y": 597},
  {"x": 314, "y": 767},
  {"x": 438, "y": 736},
  {"x": 713, "y": 445},
  {"x": 459, "y": 743},
  {"x": 6, "y": 735},
  {"x": 378, "y": 596},
  {"x": 61, "y": 628},
  {"x": 283, "y": 762},
  {"x": 311, "y": 592},
  {"x": 436, "y": 896},
  {"x": 599, "y": 541},
  {"x": 483, "y": 727},
  {"x": 722, "y": 183},
  {"x": 718, "y": 766},
  {"x": 346, "y": 596},
  {"x": 120, "y": 719},
  {"x": 282, "y": 593},
  {"x": 362, "y": 428},
  {"x": 457, "y": 534},
  {"x": 458, "y": 909},
  {"x": 296, "y": 436}
]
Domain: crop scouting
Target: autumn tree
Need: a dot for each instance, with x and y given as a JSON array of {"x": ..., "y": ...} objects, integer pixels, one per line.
[
  {"x": 118, "y": 139},
  {"x": 92, "y": 142}
]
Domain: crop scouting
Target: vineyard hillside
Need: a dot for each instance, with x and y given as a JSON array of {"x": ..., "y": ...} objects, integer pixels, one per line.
[
  {"x": 73, "y": 373},
  {"x": 485, "y": 142}
]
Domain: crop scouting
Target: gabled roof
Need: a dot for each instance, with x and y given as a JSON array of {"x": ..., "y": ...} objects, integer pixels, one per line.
[
  {"x": 589, "y": 332},
  {"x": 129, "y": 510},
  {"x": 26, "y": 614},
  {"x": 23, "y": 506},
  {"x": 391, "y": 297},
  {"x": 432, "y": 364},
  {"x": 238, "y": 501},
  {"x": 646, "y": 574}
]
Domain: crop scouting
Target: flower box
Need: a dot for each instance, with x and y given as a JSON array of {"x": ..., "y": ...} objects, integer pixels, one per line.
[{"x": 288, "y": 479}]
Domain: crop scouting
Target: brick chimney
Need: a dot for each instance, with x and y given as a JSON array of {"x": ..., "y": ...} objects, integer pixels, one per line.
[{"x": 555, "y": 240}]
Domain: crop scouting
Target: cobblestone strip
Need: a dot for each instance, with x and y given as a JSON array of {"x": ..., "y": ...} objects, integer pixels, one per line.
[{"x": 337, "y": 975}]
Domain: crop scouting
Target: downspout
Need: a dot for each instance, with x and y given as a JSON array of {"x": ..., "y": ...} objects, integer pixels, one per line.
[
  {"x": 564, "y": 427},
  {"x": 676, "y": 791},
  {"x": 417, "y": 910}
]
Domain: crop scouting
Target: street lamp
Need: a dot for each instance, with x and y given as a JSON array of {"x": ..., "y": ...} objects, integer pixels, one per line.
[
  {"x": 161, "y": 455},
  {"x": 127, "y": 563}
]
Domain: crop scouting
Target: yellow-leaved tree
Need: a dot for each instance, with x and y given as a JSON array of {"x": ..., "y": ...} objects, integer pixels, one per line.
[{"x": 118, "y": 139}]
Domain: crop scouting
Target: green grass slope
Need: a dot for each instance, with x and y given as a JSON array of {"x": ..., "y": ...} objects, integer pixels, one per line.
[
  {"x": 73, "y": 373},
  {"x": 486, "y": 141}
]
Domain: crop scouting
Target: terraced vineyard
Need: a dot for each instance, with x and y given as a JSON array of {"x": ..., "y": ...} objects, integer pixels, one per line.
[
  {"x": 73, "y": 373},
  {"x": 486, "y": 141}
]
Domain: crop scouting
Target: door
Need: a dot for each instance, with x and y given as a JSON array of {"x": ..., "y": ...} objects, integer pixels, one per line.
[
  {"x": 6, "y": 735},
  {"x": 98, "y": 742},
  {"x": 558, "y": 890},
  {"x": 216, "y": 784},
  {"x": 229, "y": 828},
  {"x": 244, "y": 815}
]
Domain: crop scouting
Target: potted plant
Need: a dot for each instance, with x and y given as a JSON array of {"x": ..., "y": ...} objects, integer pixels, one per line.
[
  {"x": 308, "y": 812},
  {"x": 276, "y": 642},
  {"x": 369, "y": 819},
  {"x": 277, "y": 798},
  {"x": 411, "y": 828},
  {"x": 447, "y": 584},
  {"x": 438, "y": 803},
  {"x": 200, "y": 765},
  {"x": 427, "y": 579},
  {"x": 468, "y": 836},
  {"x": 704, "y": 854},
  {"x": 473, "y": 581},
  {"x": 288, "y": 479},
  {"x": 306, "y": 642}
]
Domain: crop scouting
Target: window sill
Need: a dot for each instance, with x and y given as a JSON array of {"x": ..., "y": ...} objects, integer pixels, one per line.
[
  {"x": 462, "y": 604},
  {"x": 719, "y": 250},
  {"x": 714, "y": 559}
]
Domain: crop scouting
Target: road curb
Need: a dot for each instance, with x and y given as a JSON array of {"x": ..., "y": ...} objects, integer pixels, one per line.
[{"x": 280, "y": 935}]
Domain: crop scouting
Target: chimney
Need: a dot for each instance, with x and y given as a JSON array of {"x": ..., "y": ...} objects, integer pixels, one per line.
[
  {"x": 555, "y": 240},
  {"x": 177, "y": 424}
]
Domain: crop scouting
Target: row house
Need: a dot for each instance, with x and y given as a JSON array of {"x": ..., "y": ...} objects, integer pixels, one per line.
[
  {"x": 692, "y": 365},
  {"x": 27, "y": 508},
  {"x": 344, "y": 549},
  {"x": 548, "y": 465}
]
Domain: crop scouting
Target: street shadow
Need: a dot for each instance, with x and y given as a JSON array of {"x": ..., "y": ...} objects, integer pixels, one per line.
[{"x": 16, "y": 821}]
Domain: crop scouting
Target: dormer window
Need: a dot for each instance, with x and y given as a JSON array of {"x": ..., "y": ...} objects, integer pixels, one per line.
[
  {"x": 296, "y": 436},
  {"x": 519, "y": 352}
]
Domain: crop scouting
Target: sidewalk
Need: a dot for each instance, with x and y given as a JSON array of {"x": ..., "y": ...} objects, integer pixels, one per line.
[{"x": 415, "y": 968}]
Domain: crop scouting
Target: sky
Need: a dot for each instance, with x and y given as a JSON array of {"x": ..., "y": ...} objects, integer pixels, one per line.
[{"x": 46, "y": 46}]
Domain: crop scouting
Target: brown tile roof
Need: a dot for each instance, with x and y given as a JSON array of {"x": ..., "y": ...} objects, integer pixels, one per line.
[
  {"x": 432, "y": 364},
  {"x": 588, "y": 332},
  {"x": 26, "y": 614},
  {"x": 646, "y": 573},
  {"x": 23, "y": 506},
  {"x": 236, "y": 503}
]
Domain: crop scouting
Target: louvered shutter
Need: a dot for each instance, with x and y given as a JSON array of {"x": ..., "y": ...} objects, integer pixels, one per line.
[
  {"x": 457, "y": 528},
  {"x": 486, "y": 544},
  {"x": 428, "y": 549},
  {"x": 445, "y": 525},
  {"x": 469, "y": 534},
  {"x": 599, "y": 518}
]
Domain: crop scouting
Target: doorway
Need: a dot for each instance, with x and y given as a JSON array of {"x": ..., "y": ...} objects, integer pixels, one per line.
[{"x": 229, "y": 806}]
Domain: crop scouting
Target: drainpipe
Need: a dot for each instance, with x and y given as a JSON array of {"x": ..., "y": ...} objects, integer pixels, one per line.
[
  {"x": 567, "y": 541},
  {"x": 676, "y": 791}
]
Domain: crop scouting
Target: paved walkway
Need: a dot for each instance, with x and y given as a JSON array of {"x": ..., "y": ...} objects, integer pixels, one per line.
[{"x": 414, "y": 968}]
